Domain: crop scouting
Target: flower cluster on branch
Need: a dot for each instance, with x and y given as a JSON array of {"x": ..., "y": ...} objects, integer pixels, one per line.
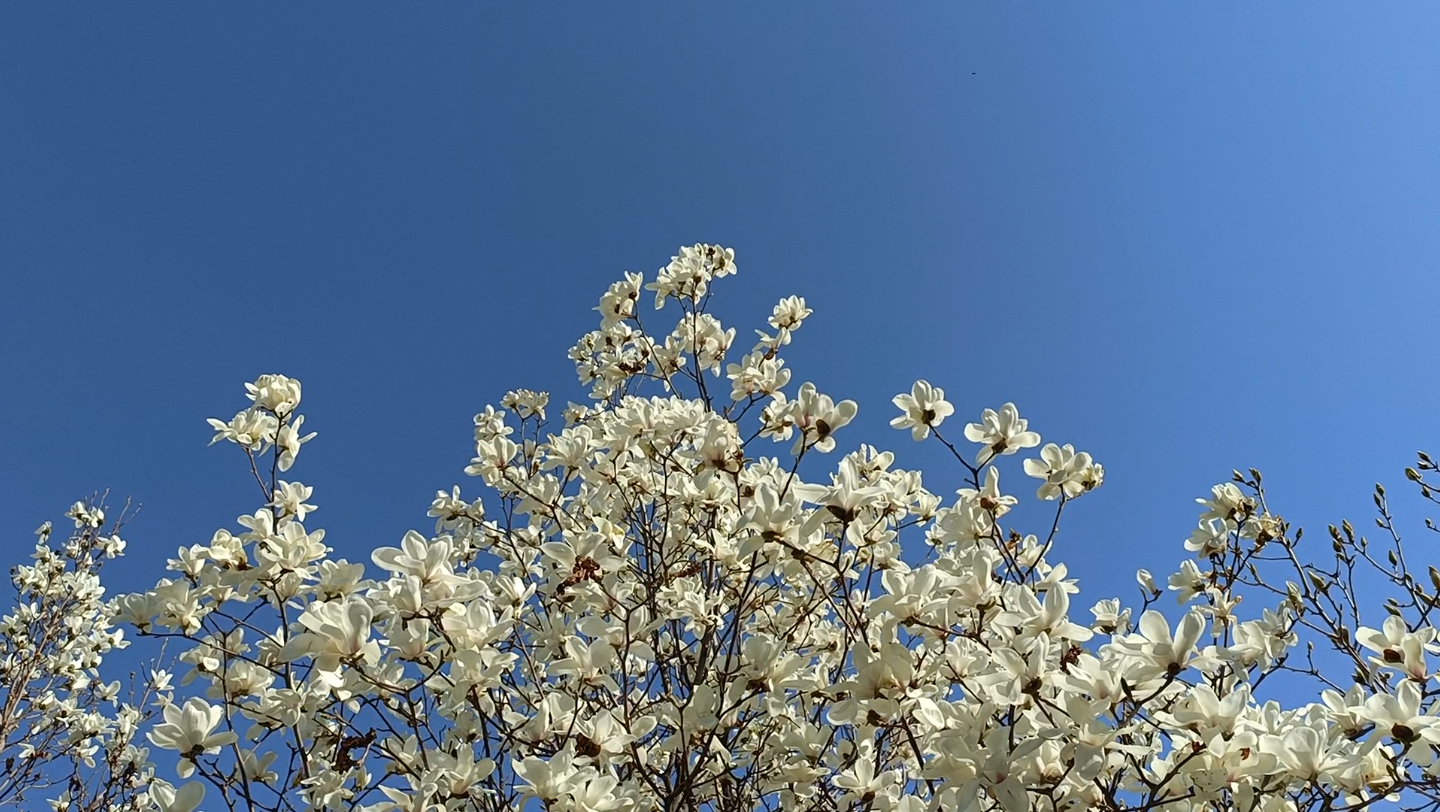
[{"x": 66, "y": 736}]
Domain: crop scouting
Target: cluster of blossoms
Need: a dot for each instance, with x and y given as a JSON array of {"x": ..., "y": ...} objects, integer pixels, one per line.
[
  {"x": 66, "y": 736},
  {"x": 652, "y": 609}
]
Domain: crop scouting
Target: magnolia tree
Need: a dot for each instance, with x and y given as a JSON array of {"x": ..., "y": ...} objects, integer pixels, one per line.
[
  {"x": 65, "y": 736},
  {"x": 652, "y": 609}
]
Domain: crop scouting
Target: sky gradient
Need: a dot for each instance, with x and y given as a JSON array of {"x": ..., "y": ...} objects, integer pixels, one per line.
[{"x": 1184, "y": 238}]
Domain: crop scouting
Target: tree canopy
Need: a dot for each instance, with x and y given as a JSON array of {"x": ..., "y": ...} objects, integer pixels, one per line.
[{"x": 647, "y": 606}]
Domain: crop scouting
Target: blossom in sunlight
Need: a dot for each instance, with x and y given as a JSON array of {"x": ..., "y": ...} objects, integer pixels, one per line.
[
  {"x": 1226, "y": 504},
  {"x": 989, "y": 498},
  {"x": 1000, "y": 433},
  {"x": 526, "y": 403},
  {"x": 862, "y": 780},
  {"x": 618, "y": 303},
  {"x": 339, "y": 632},
  {"x": 789, "y": 313},
  {"x": 550, "y": 779},
  {"x": 818, "y": 417},
  {"x": 756, "y": 374},
  {"x": 1066, "y": 472},
  {"x": 189, "y": 729},
  {"x": 168, "y": 798},
  {"x": 290, "y": 499},
  {"x": 276, "y": 394},
  {"x": 1398, "y": 647},
  {"x": 923, "y": 409},
  {"x": 84, "y": 515},
  {"x": 416, "y": 556},
  {"x": 289, "y": 440},
  {"x": 1154, "y": 647},
  {"x": 1400, "y": 715},
  {"x": 845, "y": 495}
]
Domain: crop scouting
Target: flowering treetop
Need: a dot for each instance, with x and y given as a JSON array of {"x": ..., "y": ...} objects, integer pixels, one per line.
[{"x": 651, "y": 609}]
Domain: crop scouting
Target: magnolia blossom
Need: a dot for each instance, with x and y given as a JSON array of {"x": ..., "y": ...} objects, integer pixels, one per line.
[
  {"x": 818, "y": 417},
  {"x": 1398, "y": 647},
  {"x": 1001, "y": 433},
  {"x": 924, "y": 408},
  {"x": 290, "y": 499},
  {"x": 276, "y": 394},
  {"x": 251, "y": 429},
  {"x": 168, "y": 798},
  {"x": 1066, "y": 472},
  {"x": 339, "y": 632},
  {"x": 190, "y": 730}
]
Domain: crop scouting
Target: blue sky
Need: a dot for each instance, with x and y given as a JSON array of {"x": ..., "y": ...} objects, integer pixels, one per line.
[{"x": 1185, "y": 238}]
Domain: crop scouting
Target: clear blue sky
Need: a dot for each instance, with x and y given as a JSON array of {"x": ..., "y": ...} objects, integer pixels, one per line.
[{"x": 1184, "y": 237}]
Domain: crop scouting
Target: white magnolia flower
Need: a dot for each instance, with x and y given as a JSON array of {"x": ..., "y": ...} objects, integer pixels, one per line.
[
  {"x": 168, "y": 798},
  {"x": 789, "y": 313},
  {"x": 1001, "y": 433},
  {"x": 551, "y": 779},
  {"x": 1066, "y": 472},
  {"x": 924, "y": 408},
  {"x": 276, "y": 394},
  {"x": 252, "y": 429},
  {"x": 290, "y": 499},
  {"x": 1398, "y": 647},
  {"x": 189, "y": 729},
  {"x": 289, "y": 440},
  {"x": 1154, "y": 647},
  {"x": 338, "y": 632},
  {"x": 818, "y": 418}
]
